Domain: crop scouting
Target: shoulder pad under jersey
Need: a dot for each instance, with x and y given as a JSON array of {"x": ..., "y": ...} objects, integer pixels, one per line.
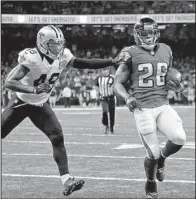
[
  {"x": 28, "y": 57},
  {"x": 66, "y": 57},
  {"x": 168, "y": 48},
  {"x": 124, "y": 56}
]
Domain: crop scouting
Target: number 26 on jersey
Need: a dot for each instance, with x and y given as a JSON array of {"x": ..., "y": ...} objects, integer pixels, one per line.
[{"x": 148, "y": 69}]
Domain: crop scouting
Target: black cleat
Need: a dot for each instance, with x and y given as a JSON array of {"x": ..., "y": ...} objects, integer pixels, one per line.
[
  {"x": 160, "y": 174},
  {"x": 72, "y": 185},
  {"x": 151, "y": 189}
]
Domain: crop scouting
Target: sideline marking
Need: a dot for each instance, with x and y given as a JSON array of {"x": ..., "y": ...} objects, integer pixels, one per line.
[
  {"x": 96, "y": 178},
  {"x": 89, "y": 156}
]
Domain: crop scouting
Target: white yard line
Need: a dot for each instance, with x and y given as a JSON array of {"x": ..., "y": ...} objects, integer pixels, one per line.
[
  {"x": 87, "y": 134},
  {"x": 95, "y": 178},
  {"x": 128, "y": 145},
  {"x": 48, "y": 142},
  {"x": 117, "y": 108},
  {"x": 90, "y": 156}
]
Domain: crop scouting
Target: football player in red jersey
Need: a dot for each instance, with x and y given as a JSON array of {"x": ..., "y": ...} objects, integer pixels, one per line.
[{"x": 146, "y": 68}]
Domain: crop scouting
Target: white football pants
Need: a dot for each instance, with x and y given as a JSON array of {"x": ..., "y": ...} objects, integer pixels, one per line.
[{"x": 163, "y": 119}]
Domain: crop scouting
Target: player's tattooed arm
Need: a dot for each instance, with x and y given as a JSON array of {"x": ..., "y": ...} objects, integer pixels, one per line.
[
  {"x": 120, "y": 79},
  {"x": 14, "y": 77}
]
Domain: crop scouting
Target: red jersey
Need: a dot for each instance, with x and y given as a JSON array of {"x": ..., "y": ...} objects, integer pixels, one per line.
[{"x": 148, "y": 74}]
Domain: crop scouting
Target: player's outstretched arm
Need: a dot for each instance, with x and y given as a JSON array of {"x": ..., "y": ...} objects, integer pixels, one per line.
[
  {"x": 81, "y": 63},
  {"x": 13, "y": 80}
]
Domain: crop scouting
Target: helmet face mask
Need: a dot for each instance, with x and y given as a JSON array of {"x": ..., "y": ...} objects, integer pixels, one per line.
[
  {"x": 55, "y": 47},
  {"x": 146, "y": 33},
  {"x": 50, "y": 41}
]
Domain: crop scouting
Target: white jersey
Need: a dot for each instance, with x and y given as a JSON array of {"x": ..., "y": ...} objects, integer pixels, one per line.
[{"x": 40, "y": 71}]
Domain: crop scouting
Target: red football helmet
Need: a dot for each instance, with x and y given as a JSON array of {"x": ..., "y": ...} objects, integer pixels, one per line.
[{"x": 146, "y": 33}]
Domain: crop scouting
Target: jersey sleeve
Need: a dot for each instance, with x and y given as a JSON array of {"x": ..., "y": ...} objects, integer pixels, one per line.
[
  {"x": 27, "y": 57},
  {"x": 67, "y": 56},
  {"x": 124, "y": 57},
  {"x": 168, "y": 48}
]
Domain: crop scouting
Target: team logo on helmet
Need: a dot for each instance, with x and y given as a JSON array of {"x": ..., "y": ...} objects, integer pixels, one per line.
[{"x": 50, "y": 41}]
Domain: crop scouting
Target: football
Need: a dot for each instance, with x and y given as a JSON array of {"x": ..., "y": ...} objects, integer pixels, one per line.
[{"x": 174, "y": 76}]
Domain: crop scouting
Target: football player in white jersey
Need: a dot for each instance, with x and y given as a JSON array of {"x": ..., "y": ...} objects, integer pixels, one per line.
[
  {"x": 149, "y": 71},
  {"x": 33, "y": 80}
]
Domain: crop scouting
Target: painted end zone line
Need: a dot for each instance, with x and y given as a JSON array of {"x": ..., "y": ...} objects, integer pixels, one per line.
[{"x": 96, "y": 178}]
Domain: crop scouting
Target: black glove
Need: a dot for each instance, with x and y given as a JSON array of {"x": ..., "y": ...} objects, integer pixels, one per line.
[
  {"x": 42, "y": 88},
  {"x": 132, "y": 103}
]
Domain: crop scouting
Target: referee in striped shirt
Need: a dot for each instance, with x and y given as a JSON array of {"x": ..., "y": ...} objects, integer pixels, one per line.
[{"x": 105, "y": 83}]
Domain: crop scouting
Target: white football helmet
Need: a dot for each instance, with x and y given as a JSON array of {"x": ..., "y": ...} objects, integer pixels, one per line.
[{"x": 50, "y": 41}]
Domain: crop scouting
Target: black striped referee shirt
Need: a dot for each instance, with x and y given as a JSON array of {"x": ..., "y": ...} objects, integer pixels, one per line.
[{"x": 105, "y": 84}]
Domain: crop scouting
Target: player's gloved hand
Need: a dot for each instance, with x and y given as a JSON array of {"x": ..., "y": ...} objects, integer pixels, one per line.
[
  {"x": 175, "y": 86},
  {"x": 42, "y": 88},
  {"x": 132, "y": 103},
  {"x": 122, "y": 57}
]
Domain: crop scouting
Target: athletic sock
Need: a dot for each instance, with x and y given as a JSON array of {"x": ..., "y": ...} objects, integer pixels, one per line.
[
  {"x": 150, "y": 166},
  {"x": 64, "y": 178},
  {"x": 170, "y": 148},
  {"x": 161, "y": 160}
]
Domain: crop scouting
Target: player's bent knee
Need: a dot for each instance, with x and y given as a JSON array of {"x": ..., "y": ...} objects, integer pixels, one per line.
[
  {"x": 156, "y": 152},
  {"x": 57, "y": 139},
  {"x": 153, "y": 152},
  {"x": 179, "y": 139}
]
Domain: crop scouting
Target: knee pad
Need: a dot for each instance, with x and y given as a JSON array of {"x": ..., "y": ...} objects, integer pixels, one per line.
[{"x": 57, "y": 139}]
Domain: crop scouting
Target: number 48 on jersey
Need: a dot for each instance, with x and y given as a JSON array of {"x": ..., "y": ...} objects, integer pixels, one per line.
[{"x": 42, "y": 79}]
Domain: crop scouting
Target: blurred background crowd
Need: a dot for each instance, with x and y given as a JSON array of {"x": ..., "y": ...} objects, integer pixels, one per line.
[
  {"x": 97, "y": 41},
  {"x": 98, "y": 7}
]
